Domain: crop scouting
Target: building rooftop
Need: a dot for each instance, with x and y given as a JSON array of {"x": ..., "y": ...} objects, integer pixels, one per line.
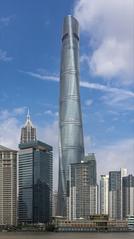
[
  {"x": 36, "y": 144},
  {"x": 3, "y": 148}
]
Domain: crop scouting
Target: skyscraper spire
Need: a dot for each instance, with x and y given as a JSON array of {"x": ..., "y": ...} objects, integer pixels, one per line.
[
  {"x": 28, "y": 132},
  {"x": 28, "y": 114}
]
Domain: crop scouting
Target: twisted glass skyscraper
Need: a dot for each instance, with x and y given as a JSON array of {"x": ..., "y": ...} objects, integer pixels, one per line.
[{"x": 71, "y": 147}]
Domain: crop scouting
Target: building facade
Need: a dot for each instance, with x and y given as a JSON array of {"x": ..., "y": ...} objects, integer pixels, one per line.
[
  {"x": 115, "y": 194},
  {"x": 35, "y": 182},
  {"x": 83, "y": 199},
  {"x": 35, "y": 177},
  {"x": 55, "y": 200},
  {"x": 128, "y": 196},
  {"x": 8, "y": 186},
  {"x": 71, "y": 147},
  {"x": 104, "y": 191}
]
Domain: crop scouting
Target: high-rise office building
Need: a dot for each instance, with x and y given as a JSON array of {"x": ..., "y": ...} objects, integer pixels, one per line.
[
  {"x": 115, "y": 194},
  {"x": 128, "y": 196},
  {"x": 83, "y": 200},
  {"x": 28, "y": 132},
  {"x": 104, "y": 191},
  {"x": 71, "y": 148},
  {"x": 35, "y": 181},
  {"x": 8, "y": 186}
]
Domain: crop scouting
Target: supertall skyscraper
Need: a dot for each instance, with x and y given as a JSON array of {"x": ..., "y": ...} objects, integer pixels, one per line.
[{"x": 71, "y": 148}]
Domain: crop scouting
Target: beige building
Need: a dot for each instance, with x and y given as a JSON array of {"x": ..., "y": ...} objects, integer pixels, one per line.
[
  {"x": 104, "y": 191},
  {"x": 82, "y": 189},
  {"x": 8, "y": 186}
]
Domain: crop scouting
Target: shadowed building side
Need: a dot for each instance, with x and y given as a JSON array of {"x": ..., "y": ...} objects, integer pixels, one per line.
[
  {"x": 35, "y": 177},
  {"x": 71, "y": 147}
]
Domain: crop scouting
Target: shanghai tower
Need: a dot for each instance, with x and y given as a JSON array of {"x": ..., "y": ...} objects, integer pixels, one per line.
[{"x": 71, "y": 146}]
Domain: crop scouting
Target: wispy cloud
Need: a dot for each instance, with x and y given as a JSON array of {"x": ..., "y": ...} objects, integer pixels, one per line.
[
  {"x": 5, "y": 21},
  {"x": 51, "y": 113},
  {"x": 89, "y": 102},
  {"x": 120, "y": 93},
  {"x": 4, "y": 56},
  {"x": 41, "y": 76}
]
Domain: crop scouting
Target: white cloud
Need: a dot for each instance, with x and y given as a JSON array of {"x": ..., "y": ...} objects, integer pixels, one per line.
[
  {"x": 4, "y": 57},
  {"x": 116, "y": 156},
  {"x": 113, "y": 156},
  {"x": 89, "y": 102},
  {"x": 19, "y": 110},
  {"x": 9, "y": 130},
  {"x": 51, "y": 113},
  {"x": 109, "y": 26}
]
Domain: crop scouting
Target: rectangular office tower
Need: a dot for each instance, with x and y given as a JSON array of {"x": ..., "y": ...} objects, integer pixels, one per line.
[
  {"x": 35, "y": 182},
  {"x": 83, "y": 200},
  {"x": 71, "y": 148},
  {"x": 128, "y": 196},
  {"x": 8, "y": 186},
  {"x": 115, "y": 194}
]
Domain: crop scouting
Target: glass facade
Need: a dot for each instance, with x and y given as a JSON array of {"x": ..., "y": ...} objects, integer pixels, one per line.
[
  {"x": 128, "y": 196},
  {"x": 35, "y": 182},
  {"x": 71, "y": 147},
  {"x": 115, "y": 194}
]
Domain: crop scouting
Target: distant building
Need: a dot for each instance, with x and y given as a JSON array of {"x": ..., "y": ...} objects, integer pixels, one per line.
[
  {"x": 8, "y": 186},
  {"x": 55, "y": 200},
  {"x": 115, "y": 194},
  {"x": 104, "y": 191},
  {"x": 82, "y": 194},
  {"x": 35, "y": 178},
  {"x": 128, "y": 196}
]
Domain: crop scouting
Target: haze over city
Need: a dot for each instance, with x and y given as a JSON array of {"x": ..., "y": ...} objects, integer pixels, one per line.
[{"x": 30, "y": 43}]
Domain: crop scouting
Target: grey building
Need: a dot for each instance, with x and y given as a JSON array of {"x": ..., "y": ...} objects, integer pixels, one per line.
[
  {"x": 71, "y": 148},
  {"x": 35, "y": 179},
  {"x": 54, "y": 208},
  {"x": 115, "y": 194},
  {"x": 8, "y": 186},
  {"x": 128, "y": 196},
  {"x": 83, "y": 199}
]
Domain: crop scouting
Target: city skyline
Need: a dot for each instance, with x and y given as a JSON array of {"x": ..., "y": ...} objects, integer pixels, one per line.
[{"x": 29, "y": 66}]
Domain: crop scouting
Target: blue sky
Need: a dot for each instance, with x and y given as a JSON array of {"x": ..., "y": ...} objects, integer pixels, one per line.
[{"x": 30, "y": 45}]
